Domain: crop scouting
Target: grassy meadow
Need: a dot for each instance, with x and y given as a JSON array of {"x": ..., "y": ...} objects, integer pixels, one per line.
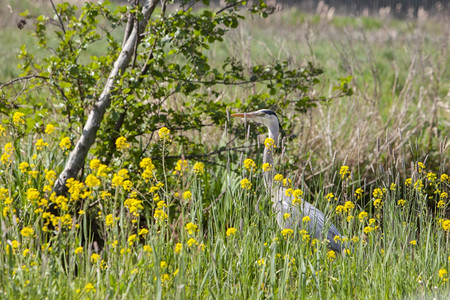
[{"x": 376, "y": 163}]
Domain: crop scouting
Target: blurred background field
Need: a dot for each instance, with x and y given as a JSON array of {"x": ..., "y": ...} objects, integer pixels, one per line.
[{"x": 399, "y": 67}]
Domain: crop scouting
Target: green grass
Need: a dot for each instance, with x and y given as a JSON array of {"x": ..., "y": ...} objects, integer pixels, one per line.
[{"x": 257, "y": 261}]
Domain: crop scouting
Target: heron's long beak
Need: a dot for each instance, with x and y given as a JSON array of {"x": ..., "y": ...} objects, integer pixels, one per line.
[{"x": 244, "y": 115}]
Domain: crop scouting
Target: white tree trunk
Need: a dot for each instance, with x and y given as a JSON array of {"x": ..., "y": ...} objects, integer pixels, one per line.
[{"x": 78, "y": 155}]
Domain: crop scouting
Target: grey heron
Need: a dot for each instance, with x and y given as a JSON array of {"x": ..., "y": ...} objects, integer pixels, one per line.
[{"x": 282, "y": 201}]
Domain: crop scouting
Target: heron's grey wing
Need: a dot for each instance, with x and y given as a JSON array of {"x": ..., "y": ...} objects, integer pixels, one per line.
[
  {"x": 317, "y": 224},
  {"x": 283, "y": 204}
]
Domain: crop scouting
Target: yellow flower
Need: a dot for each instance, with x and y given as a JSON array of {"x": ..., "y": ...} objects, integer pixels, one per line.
[
  {"x": 121, "y": 143},
  {"x": 65, "y": 143},
  {"x": 306, "y": 219},
  {"x": 444, "y": 195},
  {"x": 446, "y": 225},
  {"x": 191, "y": 242},
  {"x": 231, "y": 231},
  {"x": 199, "y": 168},
  {"x": 349, "y": 205},
  {"x": 267, "y": 167},
  {"x": 287, "y": 182},
  {"x": 440, "y": 204},
  {"x": 329, "y": 196},
  {"x": 92, "y": 181},
  {"x": 23, "y": 166},
  {"x": 250, "y": 164},
  {"x": 401, "y": 202},
  {"x": 418, "y": 185},
  {"x": 178, "y": 248},
  {"x": 444, "y": 177},
  {"x": 160, "y": 215},
  {"x": 362, "y": 216},
  {"x": 368, "y": 229},
  {"x": 393, "y": 187},
  {"x": 359, "y": 192},
  {"x": 18, "y": 118},
  {"x": 40, "y": 144},
  {"x": 269, "y": 143},
  {"x": 163, "y": 264},
  {"x": 109, "y": 220},
  {"x": 78, "y": 250},
  {"x": 408, "y": 181},
  {"x": 443, "y": 273},
  {"x": 287, "y": 232},
  {"x": 246, "y": 184},
  {"x": 288, "y": 192},
  {"x": 340, "y": 209},
  {"x": 413, "y": 242},
  {"x": 95, "y": 257},
  {"x": 181, "y": 167},
  {"x": 27, "y": 231},
  {"x": 143, "y": 231},
  {"x": 164, "y": 134},
  {"x": 420, "y": 166},
  {"x": 187, "y": 196},
  {"x": 15, "y": 244},
  {"x": 89, "y": 288},
  {"x": 148, "y": 249},
  {"x": 345, "y": 172},
  {"x": 32, "y": 194},
  {"x": 377, "y": 203},
  {"x": 94, "y": 164},
  {"x": 331, "y": 255},
  {"x": 49, "y": 129},
  {"x": 2, "y": 130},
  {"x": 191, "y": 228},
  {"x": 261, "y": 262},
  {"x": 286, "y": 216},
  {"x": 278, "y": 177},
  {"x": 377, "y": 193}
]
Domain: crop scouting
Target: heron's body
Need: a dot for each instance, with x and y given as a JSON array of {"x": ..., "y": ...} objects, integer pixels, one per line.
[{"x": 318, "y": 226}]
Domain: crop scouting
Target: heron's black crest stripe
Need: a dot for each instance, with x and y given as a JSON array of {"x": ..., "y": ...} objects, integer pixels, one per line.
[{"x": 269, "y": 112}]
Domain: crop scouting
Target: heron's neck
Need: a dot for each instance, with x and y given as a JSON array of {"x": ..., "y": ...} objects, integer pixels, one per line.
[{"x": 268, "y": 156}]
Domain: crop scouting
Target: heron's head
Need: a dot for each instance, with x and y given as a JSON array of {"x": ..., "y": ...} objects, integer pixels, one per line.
[{"x": 264, "y": 116}]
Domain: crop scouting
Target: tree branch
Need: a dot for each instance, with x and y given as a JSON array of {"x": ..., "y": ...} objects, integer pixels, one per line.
[{"x": 78, "y": 155}]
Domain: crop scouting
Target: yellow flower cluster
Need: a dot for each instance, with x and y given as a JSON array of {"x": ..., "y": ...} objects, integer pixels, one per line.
[
  {"x": 287, "y": 232},
  {"x": 40, "y": 144},
  {"x": 148, "y": 166},
  {"x": 267, "y": 167},
  {"x": 164, "y": 134},
  {"x": 278, "y": 177},
  {"x": 121, "y": 143},
  {"x": 199, "y": 168},
  {"x": 345, "y": 173},
  {"x": 135, "y": 206},
  {"x": 181, "y": 167},
  {"x": 250, "y": 165},
  {"x": 191, "y": 228},
  {"x": 246, "y": 184},
  {"x": 269, "y": 143},
  {"x": 6, "y": 156},
  {"x": 18, "y": 118},
  {"x": 49, "y": 129},
  {"x": 65, "y": 143},
  {"x": 231, "y": 231}
]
